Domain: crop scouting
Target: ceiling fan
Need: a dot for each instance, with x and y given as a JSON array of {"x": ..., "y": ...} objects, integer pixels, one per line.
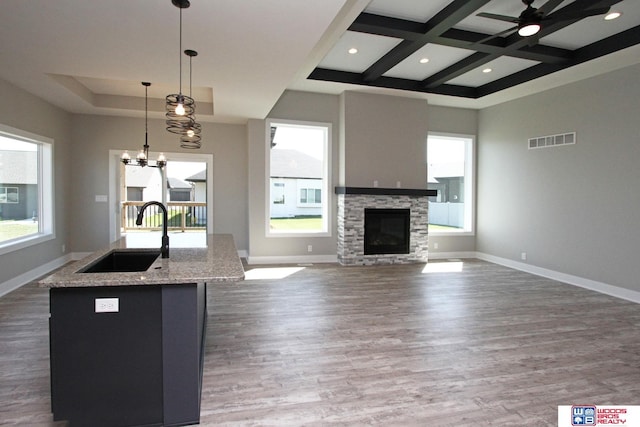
[{"x": 532, "y": 19}]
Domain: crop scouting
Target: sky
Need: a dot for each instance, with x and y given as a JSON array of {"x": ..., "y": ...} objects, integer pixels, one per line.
[
  {"x": 10, "y": 144},
  {"x": 308, "y": 139},
  {"x": 182, "y": 170}
]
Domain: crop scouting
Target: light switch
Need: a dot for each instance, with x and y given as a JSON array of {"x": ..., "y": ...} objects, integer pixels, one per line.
[{"x": 101, "y": 198}]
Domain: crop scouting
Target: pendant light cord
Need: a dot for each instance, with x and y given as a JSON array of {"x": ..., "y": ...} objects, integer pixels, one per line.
[
  {"x": 180, "y": 51},
  {"x": 146, "y": 107},
  {"x": 146, "y": 119}
]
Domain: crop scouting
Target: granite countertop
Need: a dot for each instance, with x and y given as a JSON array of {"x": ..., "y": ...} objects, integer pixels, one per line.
[{"x": 217, "y": 262}]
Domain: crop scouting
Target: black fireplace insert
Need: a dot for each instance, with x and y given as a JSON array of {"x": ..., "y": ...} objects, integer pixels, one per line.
[{"x": 386, "y": 231}]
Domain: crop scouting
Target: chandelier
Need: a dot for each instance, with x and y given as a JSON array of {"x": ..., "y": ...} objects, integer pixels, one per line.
[
  {"x": 142, "y": 158},
  {"x": 180, "y": 108}
]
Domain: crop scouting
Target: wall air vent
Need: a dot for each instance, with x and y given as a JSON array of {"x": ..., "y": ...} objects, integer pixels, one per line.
[{"x": 552, "y": 140}]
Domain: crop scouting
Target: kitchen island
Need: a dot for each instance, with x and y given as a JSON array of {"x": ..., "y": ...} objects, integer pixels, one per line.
[{"x": 127, "y": 347}]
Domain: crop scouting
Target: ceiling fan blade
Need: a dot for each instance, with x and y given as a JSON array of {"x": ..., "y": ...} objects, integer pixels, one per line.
[
  {"x": 498, "y": 17},
  {"x": 493, "y": 36},
  {"x": 577, "y": 14},
  {"x": 549, "y": 6}
]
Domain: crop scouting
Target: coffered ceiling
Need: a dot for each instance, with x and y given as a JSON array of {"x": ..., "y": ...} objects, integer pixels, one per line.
[{"x": 89, "y": 56}]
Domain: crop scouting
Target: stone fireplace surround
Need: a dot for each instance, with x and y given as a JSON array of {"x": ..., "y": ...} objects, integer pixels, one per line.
[{"x": 352, "y": 202}]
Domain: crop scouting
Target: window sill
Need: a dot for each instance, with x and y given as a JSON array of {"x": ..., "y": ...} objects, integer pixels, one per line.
[
  {"x": 26, "y": 242},
  {"x": 451, "y": 233},
  {"x": 301, "y": 233}
]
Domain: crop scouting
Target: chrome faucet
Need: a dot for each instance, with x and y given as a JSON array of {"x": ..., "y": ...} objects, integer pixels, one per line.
[{"x": 164, "y": 250}]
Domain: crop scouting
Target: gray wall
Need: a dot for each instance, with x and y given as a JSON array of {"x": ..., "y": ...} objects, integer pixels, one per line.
[
  {"x": 572, "y": 208},
  {"x": 93, "y": 136},
  {"x": 24, "y": 111},
  {"x": 384, "y": 140}
]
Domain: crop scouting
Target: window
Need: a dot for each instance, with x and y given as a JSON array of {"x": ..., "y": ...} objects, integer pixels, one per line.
[
  {"x": 450, "y": 172},
  {"x": 298, "y": 178},
  {"x": 9, "y": 195},
  {"x": 26, "y": 189},
  {"x": 278, "y": 193},
  {"x": 310, "y": 196}
]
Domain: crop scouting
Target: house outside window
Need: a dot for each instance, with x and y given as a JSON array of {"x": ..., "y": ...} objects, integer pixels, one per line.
[
  {"x": 26, "y": 189},
  {"x": 298, "y": 178},
  {"x": 450, "y": 160}
]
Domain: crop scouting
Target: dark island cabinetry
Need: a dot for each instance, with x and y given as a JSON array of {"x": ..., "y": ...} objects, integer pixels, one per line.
[{"x": 127, "y": 355}]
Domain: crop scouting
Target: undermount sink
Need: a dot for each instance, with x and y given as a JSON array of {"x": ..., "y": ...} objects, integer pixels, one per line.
[{"x": 120, "y": 261}]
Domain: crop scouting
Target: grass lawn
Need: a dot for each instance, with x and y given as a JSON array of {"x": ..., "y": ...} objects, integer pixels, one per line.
[
  {"x": 14, "y": 229},
  {"x": 296, "y": 223}
]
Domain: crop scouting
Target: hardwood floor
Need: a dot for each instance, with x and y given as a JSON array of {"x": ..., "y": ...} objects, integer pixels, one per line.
[{"x": 377, "y": 345}]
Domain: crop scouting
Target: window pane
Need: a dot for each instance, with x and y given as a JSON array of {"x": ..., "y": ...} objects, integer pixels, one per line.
[
  {"x": 183, "y": 190},
  {"x": 448, "y": 172},
  {"x": 297, "y": 159},
  {"x": 19, "y": 189},
  {"x": 278, "y": 193}
]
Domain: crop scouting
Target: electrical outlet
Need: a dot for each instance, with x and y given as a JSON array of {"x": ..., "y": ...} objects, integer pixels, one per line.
[
  {"x": 435, "y": 245},
  {"x": 107, "y": 305},
  {"x": 523, "y": 256},
  {"x": 64, "y": 247},
  {"x": 309, "y": 248}
]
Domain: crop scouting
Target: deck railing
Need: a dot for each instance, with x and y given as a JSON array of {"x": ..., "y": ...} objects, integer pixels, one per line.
[{"x": 182, "y": 216}]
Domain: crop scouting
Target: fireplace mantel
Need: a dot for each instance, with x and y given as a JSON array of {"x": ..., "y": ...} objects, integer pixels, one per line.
[{"x": 376, "y": 191}]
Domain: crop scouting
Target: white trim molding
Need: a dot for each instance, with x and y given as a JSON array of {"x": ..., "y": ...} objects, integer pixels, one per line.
[
  {"x": 31, "y": 275},
  {"x": 451, "y": 255},
  {"x": 603, "y": 288},
  {"x": 296, "y": 259}
]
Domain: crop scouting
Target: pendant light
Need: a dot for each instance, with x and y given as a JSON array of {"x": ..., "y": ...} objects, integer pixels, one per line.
[
  {"x": 191, "y": 137},
  {"x": 142, "y": 158},
  {"x": 179, "y": 107}
]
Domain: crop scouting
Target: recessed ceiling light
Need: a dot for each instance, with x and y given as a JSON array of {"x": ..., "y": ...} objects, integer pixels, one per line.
[
  {"x": 353, "y": 51},
  {"x": 613, "y": 15},
  {"x": 487, "y": 70},
  {"x": 424, "y": 60}
]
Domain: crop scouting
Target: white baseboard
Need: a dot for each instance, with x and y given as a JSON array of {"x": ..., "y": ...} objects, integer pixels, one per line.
[
  {"x": 449, "y": 255},
  {"x": 32, "y": 275},
  {"x": 301, "y": 259},
  {"x": 603, "y": 288}
]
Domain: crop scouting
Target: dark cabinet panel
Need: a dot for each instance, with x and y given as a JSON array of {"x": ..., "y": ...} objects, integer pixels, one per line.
[
  {"x": 102, "y": 361},
  {"x": 138, "y": 365}
]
